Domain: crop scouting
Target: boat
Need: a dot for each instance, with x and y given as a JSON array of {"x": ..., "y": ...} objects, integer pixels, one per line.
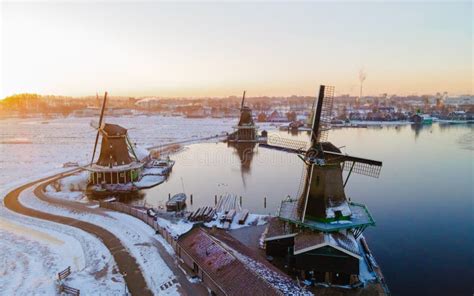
[
  {"x": 162, "y": 165},
  {"x": 176, "y": 203},
  {"x": 422, "y": 119}
]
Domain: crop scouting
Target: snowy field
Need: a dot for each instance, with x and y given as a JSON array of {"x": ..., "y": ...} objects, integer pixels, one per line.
[
  {"x": 32, "y": 146},
  {"x": 33, "y": 251}
]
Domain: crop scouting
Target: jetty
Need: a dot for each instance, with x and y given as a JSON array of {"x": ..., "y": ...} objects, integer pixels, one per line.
[{"x": 226, "y": 211}]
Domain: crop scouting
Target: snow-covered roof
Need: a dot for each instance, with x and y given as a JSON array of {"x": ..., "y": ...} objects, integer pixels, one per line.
[
  {"x": 277, "y": 229},
  {"x": 233, "y": 272},
  {"x": 343, "y": 208},
  {"x": 310, "y": 240}
]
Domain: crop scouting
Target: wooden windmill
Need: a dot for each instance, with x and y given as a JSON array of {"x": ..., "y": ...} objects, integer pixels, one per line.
[
  {"x": 317, "y": 233},
  {"x": 246, "y": 130},
  {"x": 322, "y": 184},
  {"x": 117, "y": 162}
]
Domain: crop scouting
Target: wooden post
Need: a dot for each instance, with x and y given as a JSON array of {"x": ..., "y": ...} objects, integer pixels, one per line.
[
  {"x": 265, "y": 202},
  {"x": 191, "y": 199},
  {"x": 215, "y": 199},
  {"x": 241, "y": 200}
]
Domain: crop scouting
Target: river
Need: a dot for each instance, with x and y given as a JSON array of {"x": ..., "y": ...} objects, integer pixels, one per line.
[{"x": 422, "y": 202}]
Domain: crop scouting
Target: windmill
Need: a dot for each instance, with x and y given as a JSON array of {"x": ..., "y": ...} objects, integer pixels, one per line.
[
  {"x": 320, "y": 152},
  {"x": 245, "y": 130},
  {"x": 320, "y": 217},
  {"x": 117, "y": 162}
]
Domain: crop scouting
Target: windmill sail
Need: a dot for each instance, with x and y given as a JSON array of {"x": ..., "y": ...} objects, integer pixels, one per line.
[
  {"x": 99, "y": 127},
  {"x": 353, "y": 164},
  {"x": 323, "y": 112},
  {"x": 243, "y": 100}
]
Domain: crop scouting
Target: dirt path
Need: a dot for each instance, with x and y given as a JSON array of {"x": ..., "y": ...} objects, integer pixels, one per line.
[
  {"x": 125, "y": 261},
  {"x": 186, "y": 287}
]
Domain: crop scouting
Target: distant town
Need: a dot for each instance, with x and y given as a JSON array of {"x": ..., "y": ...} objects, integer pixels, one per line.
[{"x": 265, "y": 109}]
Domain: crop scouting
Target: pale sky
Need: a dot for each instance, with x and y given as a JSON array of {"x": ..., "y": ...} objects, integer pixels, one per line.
[{"x": 211, "y": 49}]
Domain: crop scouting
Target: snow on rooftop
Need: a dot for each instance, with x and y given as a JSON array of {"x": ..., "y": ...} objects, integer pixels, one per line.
[
  {"x": 343, "y": 208},
  {"x": 252, "y": 219},
  {"x": 277, "y": 280},
  {"x": 176, "y": 229}
]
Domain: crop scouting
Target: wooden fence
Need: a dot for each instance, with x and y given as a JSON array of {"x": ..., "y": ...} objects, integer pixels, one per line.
[
  {"x": 139, "y": 214},
  {"x": 173, "y": 241}
]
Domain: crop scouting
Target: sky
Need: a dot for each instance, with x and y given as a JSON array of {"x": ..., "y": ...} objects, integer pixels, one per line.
[{"x": 219, "y": 49}]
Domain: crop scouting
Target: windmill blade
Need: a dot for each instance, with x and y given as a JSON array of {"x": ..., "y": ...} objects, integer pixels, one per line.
[
  {"x": 362, "y": 168},
  {"x": 284, "y": 144},
  {"x": 358, "y": 165},
  {"x": 99, "y": 128},
  {"x": 322, "y": 111},
  {"x": 284, "y": 149},
  {"x": 243, "y": 100},
  {"x": 130, "y": 148}
]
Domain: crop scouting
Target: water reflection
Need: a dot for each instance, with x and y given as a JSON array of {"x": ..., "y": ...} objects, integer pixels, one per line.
[
  {"x": 425, "y": 185},
  {"x": 245, "y": 152},
  {"x": 417, "y": 128}
]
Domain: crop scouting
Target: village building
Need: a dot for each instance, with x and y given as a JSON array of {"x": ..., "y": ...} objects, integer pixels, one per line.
[{"x": 226, "y": 270}]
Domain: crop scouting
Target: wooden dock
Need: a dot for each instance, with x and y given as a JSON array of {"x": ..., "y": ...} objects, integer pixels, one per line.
[{"x": 226, "y": 211}]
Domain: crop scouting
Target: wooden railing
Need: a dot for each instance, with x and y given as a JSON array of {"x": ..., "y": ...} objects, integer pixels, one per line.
[{"x": 126, "y": 209}]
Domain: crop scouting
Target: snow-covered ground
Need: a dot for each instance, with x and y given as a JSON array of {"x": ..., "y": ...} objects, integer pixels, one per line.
[
  {"x": 34, "y": 251},
  {"x": 71, "y": 187},
  {"x": 137, "y": 237},
  {"x": 29, "y": 147}
]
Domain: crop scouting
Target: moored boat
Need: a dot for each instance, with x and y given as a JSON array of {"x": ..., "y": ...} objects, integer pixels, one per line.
[{"x": 176, "y": 203}]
